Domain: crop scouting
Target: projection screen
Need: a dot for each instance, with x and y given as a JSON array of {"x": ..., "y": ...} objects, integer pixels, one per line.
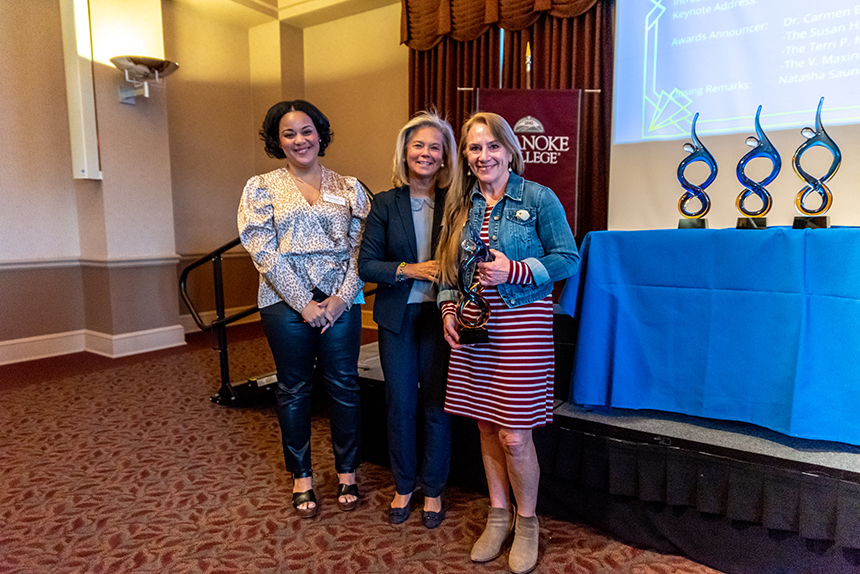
[{"x": 722, "y": 59}]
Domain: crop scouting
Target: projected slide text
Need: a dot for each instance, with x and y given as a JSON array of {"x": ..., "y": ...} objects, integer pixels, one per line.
[{"x": 723, "y": 59}]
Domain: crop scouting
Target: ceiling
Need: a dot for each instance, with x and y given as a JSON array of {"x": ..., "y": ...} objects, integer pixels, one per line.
[{"x": 298, "y": 13}]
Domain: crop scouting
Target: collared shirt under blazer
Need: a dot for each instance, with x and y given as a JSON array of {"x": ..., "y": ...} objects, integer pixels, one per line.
[{"x": 389, "y": 238}]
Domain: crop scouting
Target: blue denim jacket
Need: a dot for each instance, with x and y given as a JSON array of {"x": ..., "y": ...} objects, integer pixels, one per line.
[{"x": 539, "y": 236}]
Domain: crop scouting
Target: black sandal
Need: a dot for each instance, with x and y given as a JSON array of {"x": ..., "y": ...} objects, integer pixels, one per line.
[
  {"x": 347, "y": 490},
  {"x": 300, "y": 498}
]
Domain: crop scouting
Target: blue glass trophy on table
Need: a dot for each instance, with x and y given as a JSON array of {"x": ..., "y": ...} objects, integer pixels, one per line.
[
  {"x": 698, "y": 152},
  {"x": 473, "y": 320},
  {"x": 762, "y": 148},
  {"x": 813, "y": 217}
]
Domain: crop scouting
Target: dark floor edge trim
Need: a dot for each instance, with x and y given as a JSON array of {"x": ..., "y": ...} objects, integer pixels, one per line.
[{"x": 642, "y": 437}]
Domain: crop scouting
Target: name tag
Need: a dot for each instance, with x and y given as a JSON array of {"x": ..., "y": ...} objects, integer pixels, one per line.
[{"x": 334, "y": 199}]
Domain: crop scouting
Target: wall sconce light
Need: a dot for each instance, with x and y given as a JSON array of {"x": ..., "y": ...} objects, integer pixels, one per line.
[{"x": 140, "y": 72}]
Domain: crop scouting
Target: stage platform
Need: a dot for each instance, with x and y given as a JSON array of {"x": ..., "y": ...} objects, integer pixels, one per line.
[
  {"x": 722, "y": 438},
  {"x": 733, "y": 439},
  {"x": 734, "y": 496}
]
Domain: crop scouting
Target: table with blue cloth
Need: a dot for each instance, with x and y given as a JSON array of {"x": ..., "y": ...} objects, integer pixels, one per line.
[{"x": 758, "y": 326}]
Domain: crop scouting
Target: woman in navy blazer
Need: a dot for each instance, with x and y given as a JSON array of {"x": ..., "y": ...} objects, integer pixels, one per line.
[{"x": 398, "y": 254}]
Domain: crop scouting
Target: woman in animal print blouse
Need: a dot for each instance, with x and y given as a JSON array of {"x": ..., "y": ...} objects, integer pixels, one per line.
[{"x": 302, "y": 225}]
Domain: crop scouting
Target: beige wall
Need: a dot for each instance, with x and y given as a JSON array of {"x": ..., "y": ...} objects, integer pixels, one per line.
[
  {"x": 133, "y": 140},
  {"x": 92, "y": 263},
  {"x": 356, "y": 72},
  {"x": 228, "y": 78},
  {"x": 267, "y": 63},
  {"x": 37, "y": 196},
  {"x": 33, "y": 298},
  {"x": 212, "y": 137}
]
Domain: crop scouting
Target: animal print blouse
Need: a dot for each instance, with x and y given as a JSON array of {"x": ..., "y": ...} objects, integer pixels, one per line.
[{"x": 297, "y": 246}]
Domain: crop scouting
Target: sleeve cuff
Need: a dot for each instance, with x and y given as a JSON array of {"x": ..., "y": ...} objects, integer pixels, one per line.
[
  {"x": 519, "y": 273},
  {"x": 444, "y": 295},
  {"x": 540, "y": 275}
]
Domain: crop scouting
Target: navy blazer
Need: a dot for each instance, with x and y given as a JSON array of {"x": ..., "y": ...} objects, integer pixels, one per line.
[{"x": 388, "y": 240}]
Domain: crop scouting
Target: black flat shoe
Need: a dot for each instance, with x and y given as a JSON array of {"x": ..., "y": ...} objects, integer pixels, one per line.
[
  {"x": 432, "y": 519},
  {"x": 300, "y": 498},
  {"x": 399, "y": 515},
  {"x": 347, "y": 490}
]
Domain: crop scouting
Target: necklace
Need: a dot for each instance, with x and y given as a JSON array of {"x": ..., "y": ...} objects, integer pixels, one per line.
[
  {"x": 297, "y": 178},
  {"x": 419, "y": 202}
]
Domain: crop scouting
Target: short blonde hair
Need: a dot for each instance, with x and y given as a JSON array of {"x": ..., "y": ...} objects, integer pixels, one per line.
[{"x": 426, "y": 119}]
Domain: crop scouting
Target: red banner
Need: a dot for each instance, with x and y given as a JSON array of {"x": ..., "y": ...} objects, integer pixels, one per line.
[{"x": 546, "y": 123}]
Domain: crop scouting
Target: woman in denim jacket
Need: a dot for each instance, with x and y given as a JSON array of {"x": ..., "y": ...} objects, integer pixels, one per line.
[{"x": 505, "y": 384}]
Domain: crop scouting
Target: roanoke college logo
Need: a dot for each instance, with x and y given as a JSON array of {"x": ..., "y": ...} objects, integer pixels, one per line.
[
  {"x": 529, "y": 125},
  {"x": 536, "y": 145}
]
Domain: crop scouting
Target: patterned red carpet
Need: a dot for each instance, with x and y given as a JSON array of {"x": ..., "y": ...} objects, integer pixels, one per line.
[{"x": 124, "y": 466}]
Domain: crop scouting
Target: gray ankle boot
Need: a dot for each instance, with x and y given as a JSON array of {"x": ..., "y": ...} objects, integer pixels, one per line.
[
  {"x": 500, "y": 522},
  {"x": 524, "y": 550}
]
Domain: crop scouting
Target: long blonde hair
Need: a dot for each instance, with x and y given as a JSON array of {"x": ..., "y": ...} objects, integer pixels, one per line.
[
  {"x": 458, "y": 201},
  {"x": 425, "y": 119}
]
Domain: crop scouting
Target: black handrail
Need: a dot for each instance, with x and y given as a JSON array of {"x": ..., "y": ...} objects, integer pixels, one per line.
[
  {"x": 215, "y": 258},
  {"x": 226, "y": 394}
]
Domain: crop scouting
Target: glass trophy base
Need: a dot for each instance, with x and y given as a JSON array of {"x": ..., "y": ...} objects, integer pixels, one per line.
[
  {"x": 817, "y": 222},
  {"x": 474, "y": 336},
  {"x": 700, "y": 223},
  {"x": 751, "y": 223}
]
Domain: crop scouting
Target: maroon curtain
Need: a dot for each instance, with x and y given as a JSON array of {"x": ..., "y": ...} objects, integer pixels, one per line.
[
  {"x": 455, "y": 46},
  {"x": 425, "y": 22},
  {"x": 569, "y": 53},
  {"x": 437, "y": 75}
]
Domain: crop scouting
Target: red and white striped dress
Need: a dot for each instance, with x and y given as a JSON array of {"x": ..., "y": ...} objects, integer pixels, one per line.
[{"x": 508, "y": 381}]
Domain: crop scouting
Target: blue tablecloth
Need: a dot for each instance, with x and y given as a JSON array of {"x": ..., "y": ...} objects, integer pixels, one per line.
[{"x": 760, "y": 326}]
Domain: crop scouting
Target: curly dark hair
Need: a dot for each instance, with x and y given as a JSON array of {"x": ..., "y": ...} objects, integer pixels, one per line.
[{"x": 269, "y": 131}]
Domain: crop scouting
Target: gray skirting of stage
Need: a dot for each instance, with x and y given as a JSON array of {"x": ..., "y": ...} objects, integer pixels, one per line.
[{"x": 733, "y": 496}]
